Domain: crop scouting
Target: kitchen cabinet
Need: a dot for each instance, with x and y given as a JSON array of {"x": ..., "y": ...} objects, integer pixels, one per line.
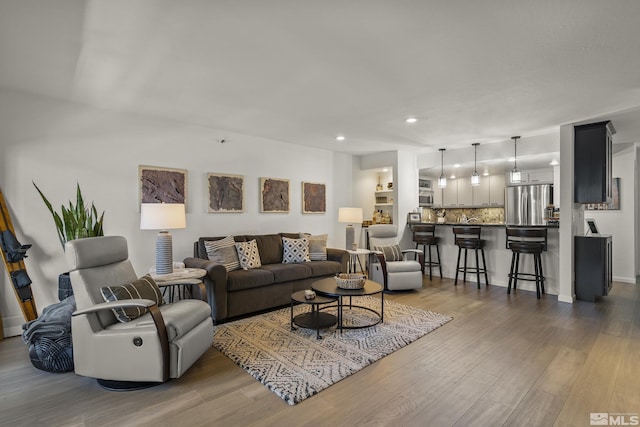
[
  {"x": 481, "y": 192},
  {"x": 450, "y": 194},
  {"x": 437, "y": 197},
  {"x": 541, "y": 176},
  {"x": 593, "y": 162},
  {"x": 496, "y": 190},
  {"x": 465, "y": 194},
  {"x": 593, "y": 265}
]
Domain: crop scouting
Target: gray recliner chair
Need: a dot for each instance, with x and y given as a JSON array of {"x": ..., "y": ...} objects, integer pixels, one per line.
[
  {"x": 160, "y": 344},
  {"x": 391, "y": 266}
]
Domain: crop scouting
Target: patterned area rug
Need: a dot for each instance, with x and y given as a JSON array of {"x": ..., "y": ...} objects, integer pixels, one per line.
[{"x": 295, "y": 365}]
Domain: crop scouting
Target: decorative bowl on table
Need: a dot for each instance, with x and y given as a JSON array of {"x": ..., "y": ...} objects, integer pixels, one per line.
[{"x": 350, "y": 280}]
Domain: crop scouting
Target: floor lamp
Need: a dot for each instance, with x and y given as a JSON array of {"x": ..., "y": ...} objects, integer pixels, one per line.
[
  {"x": 350, "y": 216},
  {"x": 163, "y": 217}
]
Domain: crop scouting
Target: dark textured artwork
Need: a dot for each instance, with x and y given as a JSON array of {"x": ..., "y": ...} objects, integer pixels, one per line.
[
  {"x": 313, "y": 198},
  {"x": 226, "y": 193},
  {"x": 162, "y": 185},
  {"x": 274, "y": 195}
]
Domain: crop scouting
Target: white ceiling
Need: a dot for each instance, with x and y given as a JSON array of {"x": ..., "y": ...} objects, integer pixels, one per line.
[{"x": 305, "y": 71}]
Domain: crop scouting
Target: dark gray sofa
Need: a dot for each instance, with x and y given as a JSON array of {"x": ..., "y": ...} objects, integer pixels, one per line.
[{"x": 241, "y": 292}]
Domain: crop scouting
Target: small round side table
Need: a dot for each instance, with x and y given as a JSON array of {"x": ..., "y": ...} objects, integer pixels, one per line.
[
  {"x": 179, "y": 278},
  {"x": 314, "y": 319}
]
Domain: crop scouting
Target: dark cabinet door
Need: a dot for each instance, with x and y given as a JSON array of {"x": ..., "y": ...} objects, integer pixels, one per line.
[
  {"x": 592, "y": 162},
  {"x": 593, "y": 262}
]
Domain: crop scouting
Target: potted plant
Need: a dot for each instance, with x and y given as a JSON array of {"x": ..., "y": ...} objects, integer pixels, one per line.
[{"x": 75, "y": 222}]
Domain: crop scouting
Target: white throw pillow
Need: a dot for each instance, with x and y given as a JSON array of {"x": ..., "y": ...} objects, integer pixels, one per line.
[
  {"x": 248, "y": 254},
  {"x": 295, "y": 250}
]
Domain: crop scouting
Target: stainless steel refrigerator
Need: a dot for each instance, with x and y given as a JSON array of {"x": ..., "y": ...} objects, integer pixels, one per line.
[{"x": 526, "y": 204}]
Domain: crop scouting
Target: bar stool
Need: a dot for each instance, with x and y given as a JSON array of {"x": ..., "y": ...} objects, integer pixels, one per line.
[
  {"x": 424, "y": 235},
  {"x": 527, "y": 241},
  {"x": 469, "y": 238}
]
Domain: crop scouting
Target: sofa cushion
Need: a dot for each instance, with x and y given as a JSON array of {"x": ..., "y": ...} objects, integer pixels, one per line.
[
  {"x": 223, "y": 252},
  {"x": 288, "y": 272},
  {"x": 248, "y": 255},
  {"x": 324, "y": 268},
  {"x": 391, "y": 253},
  {"x": 295, "y": 250},
  {"x": 144, "y": 288},
  {"x": 269, "y": 247},
  {"x": 247, "y": 279},
  {"x": 317, "y": 246}
]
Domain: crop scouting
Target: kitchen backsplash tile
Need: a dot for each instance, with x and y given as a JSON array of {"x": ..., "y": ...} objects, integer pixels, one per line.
[{"x": 483, "y": 215}]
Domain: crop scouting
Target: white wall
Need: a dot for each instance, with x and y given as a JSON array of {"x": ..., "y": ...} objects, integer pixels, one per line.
[
  {"x": 621, "y": 223},
  {"x": 57, "y": 144}
]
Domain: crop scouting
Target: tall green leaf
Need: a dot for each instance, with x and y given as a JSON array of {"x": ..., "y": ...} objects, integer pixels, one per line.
[{"x": 76, "y": 221}]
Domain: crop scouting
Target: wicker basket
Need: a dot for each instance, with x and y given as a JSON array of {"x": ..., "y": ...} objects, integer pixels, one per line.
[{"x": 350, "y": 281}]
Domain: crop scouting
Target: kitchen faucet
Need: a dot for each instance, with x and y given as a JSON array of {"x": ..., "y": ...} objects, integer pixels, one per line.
[{"x": 465, "y": 220}]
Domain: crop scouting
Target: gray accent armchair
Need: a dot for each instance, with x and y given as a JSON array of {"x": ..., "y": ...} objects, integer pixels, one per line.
[
  {"x": 399, "y": 275},
  {"x": 161, "y": 344}
]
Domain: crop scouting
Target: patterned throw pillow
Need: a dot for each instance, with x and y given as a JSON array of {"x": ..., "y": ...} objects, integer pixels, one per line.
[
  {"x": 295, "y": 250},
  {"x": 145, "y": 288},
  {"x": 317, "y": 246},
  {"x": 223, "y": 252},
  {"x": 248, "y": 255},
  {"x": 391, "y": 253}
]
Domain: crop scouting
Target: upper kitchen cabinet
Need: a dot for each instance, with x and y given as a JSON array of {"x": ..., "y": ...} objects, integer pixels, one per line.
[
  {"x": 465, "y": 195},
  {"x": 593, "y": 162},
  {"x": 534, "y": 176},
  {"x": 496, "y": 190},
  {"x": 450, "y": 194},
  {"x": 490, "y": 192},
  {"x": 481, "y": 192}
]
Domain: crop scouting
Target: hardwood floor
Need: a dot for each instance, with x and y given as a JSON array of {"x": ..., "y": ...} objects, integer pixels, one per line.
[{"x": 507, "y": 360}]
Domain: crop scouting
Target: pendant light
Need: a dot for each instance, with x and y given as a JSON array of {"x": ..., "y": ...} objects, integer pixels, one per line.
[
  {"x": 515, "y": 173},
  {"x": 475, "y": 178},
  {"x": 442, "y": 181}
]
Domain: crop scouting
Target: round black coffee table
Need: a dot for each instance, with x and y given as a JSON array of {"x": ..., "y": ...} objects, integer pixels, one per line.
[
  {"x": 314, "y": 319},
  {"x": 328, "y": 287}
]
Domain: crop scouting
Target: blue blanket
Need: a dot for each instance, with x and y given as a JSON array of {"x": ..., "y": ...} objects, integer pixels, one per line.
[{"x": 55, "y": 321}]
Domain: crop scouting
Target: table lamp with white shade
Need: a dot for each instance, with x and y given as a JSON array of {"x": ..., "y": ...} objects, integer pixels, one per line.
[
  {"x": 350, "y": 216},
  {"x": 163, "y": 217}
]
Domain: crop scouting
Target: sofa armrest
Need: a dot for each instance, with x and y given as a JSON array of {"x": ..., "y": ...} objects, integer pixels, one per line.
[
  {"x": 216, "y": 284},
  {"x": 339, "y": 255}
]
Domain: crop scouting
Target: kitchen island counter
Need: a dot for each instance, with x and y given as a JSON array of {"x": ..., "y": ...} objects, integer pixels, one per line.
[
  {"x": 498, "y": 256},
  {"x": 484, "y": 224}
]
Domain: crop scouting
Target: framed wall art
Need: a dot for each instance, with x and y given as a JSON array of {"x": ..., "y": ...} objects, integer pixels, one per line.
[
  {"x": 274, "y": 195},
  {"x": 162, "y": 185},
  {"x": 314, "y": 198},
  {"x": 226, "y": 193}
]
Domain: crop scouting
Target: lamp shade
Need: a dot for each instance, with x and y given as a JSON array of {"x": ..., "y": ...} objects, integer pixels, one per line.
[
  {"x": 162, "y": 216},
  {"x": 350, "y": 215}
]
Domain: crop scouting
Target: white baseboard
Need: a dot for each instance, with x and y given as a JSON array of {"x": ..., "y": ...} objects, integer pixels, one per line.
[
  {"x": 12, "y": 326},
  {"x": 631, "y": 280}
]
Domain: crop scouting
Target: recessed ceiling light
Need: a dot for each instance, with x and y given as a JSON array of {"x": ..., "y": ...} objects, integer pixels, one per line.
[
  {"x": 340, "y": 138},
  {"x": 452, "y": 176},
  {"x": 485, "y": 173},
  {"x": 411, "y": 120},
  {"x": 457, "y": 165},
  {"x": 553, "y": 162}
]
